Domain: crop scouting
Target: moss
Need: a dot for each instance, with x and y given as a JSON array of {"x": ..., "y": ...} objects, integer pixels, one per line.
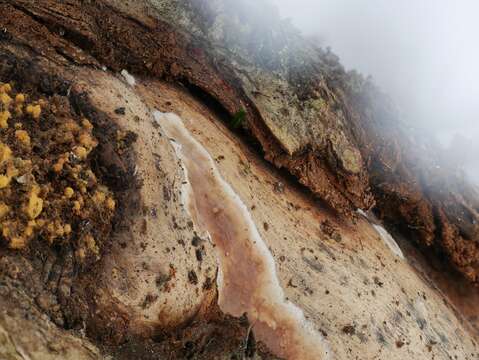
[{"x": 238, "y": 119}]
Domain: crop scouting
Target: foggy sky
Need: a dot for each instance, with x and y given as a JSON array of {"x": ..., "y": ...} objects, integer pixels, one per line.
[{"x": 424, "y": 53}]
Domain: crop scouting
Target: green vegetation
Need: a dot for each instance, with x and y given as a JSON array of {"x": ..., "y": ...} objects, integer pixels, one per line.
[{"x": 238, "y": 119}]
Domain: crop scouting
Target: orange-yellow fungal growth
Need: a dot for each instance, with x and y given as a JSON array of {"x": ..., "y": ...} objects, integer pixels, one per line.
[
  {"x": 6, "y": 178},
  {"x": 5, "y": 99},
  {"x": 17, "y": 243},
  {"x": 99, "y": 197},
  {"x": 35, "y": 204},
  {"x": 80, "y": 152},
  {"x": 110, "y": 204},
  {"x": 69, "y": 192},
  {"x": 34, "y": 110},
  {"x": 20, "y": 98},
  {"x": 58, "y": 166},
  {"x": 91, "y": 244},
  {"x": 87, "y": 141},
  {"x": 4, "y": 117},
  {"x": 4, "y": 210},
  {"x": 5, "y": 153},
  {"x": 87, "y": 124},
  {"x": 49, "y": 192},
  {"x": 67, "y": 229},
  {"x": 5, "y": 88},
  {"x": 23, "y": 137}
]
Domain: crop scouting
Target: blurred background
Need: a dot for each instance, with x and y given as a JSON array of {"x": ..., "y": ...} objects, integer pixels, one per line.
[{"x": 424, "y": 54}]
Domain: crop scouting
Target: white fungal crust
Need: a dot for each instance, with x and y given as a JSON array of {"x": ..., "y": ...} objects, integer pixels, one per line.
[
  {"x": 248, "y": 282},
  {"x": 389, "y": 240},
  {"x": 128, "y": 78}
]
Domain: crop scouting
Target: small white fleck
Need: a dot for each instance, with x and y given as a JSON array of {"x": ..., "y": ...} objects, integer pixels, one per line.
[{"x": 128, "y": 77}]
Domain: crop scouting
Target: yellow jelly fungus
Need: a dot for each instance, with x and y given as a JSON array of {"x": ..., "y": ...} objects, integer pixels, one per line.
[
  {"x": 4, "y": 181},
  {"x": 80, "y": 152},
  {"x": 23, "y": 137},
  {"x": 4, "y": 210},
  {"x": 7, "y": 178},
  {"x": 87, "y": 124},
  {"x": 5, "y": 153},
  {"x": 17, "y": 243},
  {"x": 76, "y": 206},
  {"x": 5, "y": 99},
  {"x": 4, "y": 116},
  {"x": 110, "y": 204},
  {"x": 71, "y": 126},
  {"x": 69, "y": 192},
  {"x": 20, "y": 98},
  {"x": 99, "y": 197},
  {"x": 19, "y": 110},
  {"x": 87, "y": 141},
  {"x": 30, "y": 228},
  {"x": 34, "y": 111},
  {"x": 58, "y": 166},
  {"x": 5, "y": 88},
  {"x": 67, "y": 229},
  {"x": 91, "y": 244},
  {"x": 35, "y": 203}
]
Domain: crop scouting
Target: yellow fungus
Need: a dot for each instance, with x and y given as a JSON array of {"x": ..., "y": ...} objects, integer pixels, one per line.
[
  {"x": 35, "y": 203},
  {"x": 99, "y": 197},
  {"x": 76, "y": 206},
  {"x": 87, "y": 141},
  {"x": 59, "y": 230},
  {"x": 67, "y": 229},
  {"x": 4, "y": 210},
  {"x": 5, "y": 88},
  {"x": 17, "y": 243},
  {"x": 91, "y": 244},
  {"x": 80, "y": 152},
  {"x": 34, "y": 111},
  {"x": 6, "y": 229},
  {"x": 71, "y": 125},
  {"x": 4, "y": 181},
  {"x": 4, "y": 116},
  {"x": 5, "y": 99},
  {"x": 69, "y": 192},
  {"x": 20, "y": 98},
  {"x": 81, "y": 253},
  {"x": 23, "y": 137},
  {"x": 5, "y": 153},
  {"x": 87, "y": 124},
  {"x": 29, "y": 229},
  {"x": 110, "y": 204},
  {"x": 58, "y": 166}
]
